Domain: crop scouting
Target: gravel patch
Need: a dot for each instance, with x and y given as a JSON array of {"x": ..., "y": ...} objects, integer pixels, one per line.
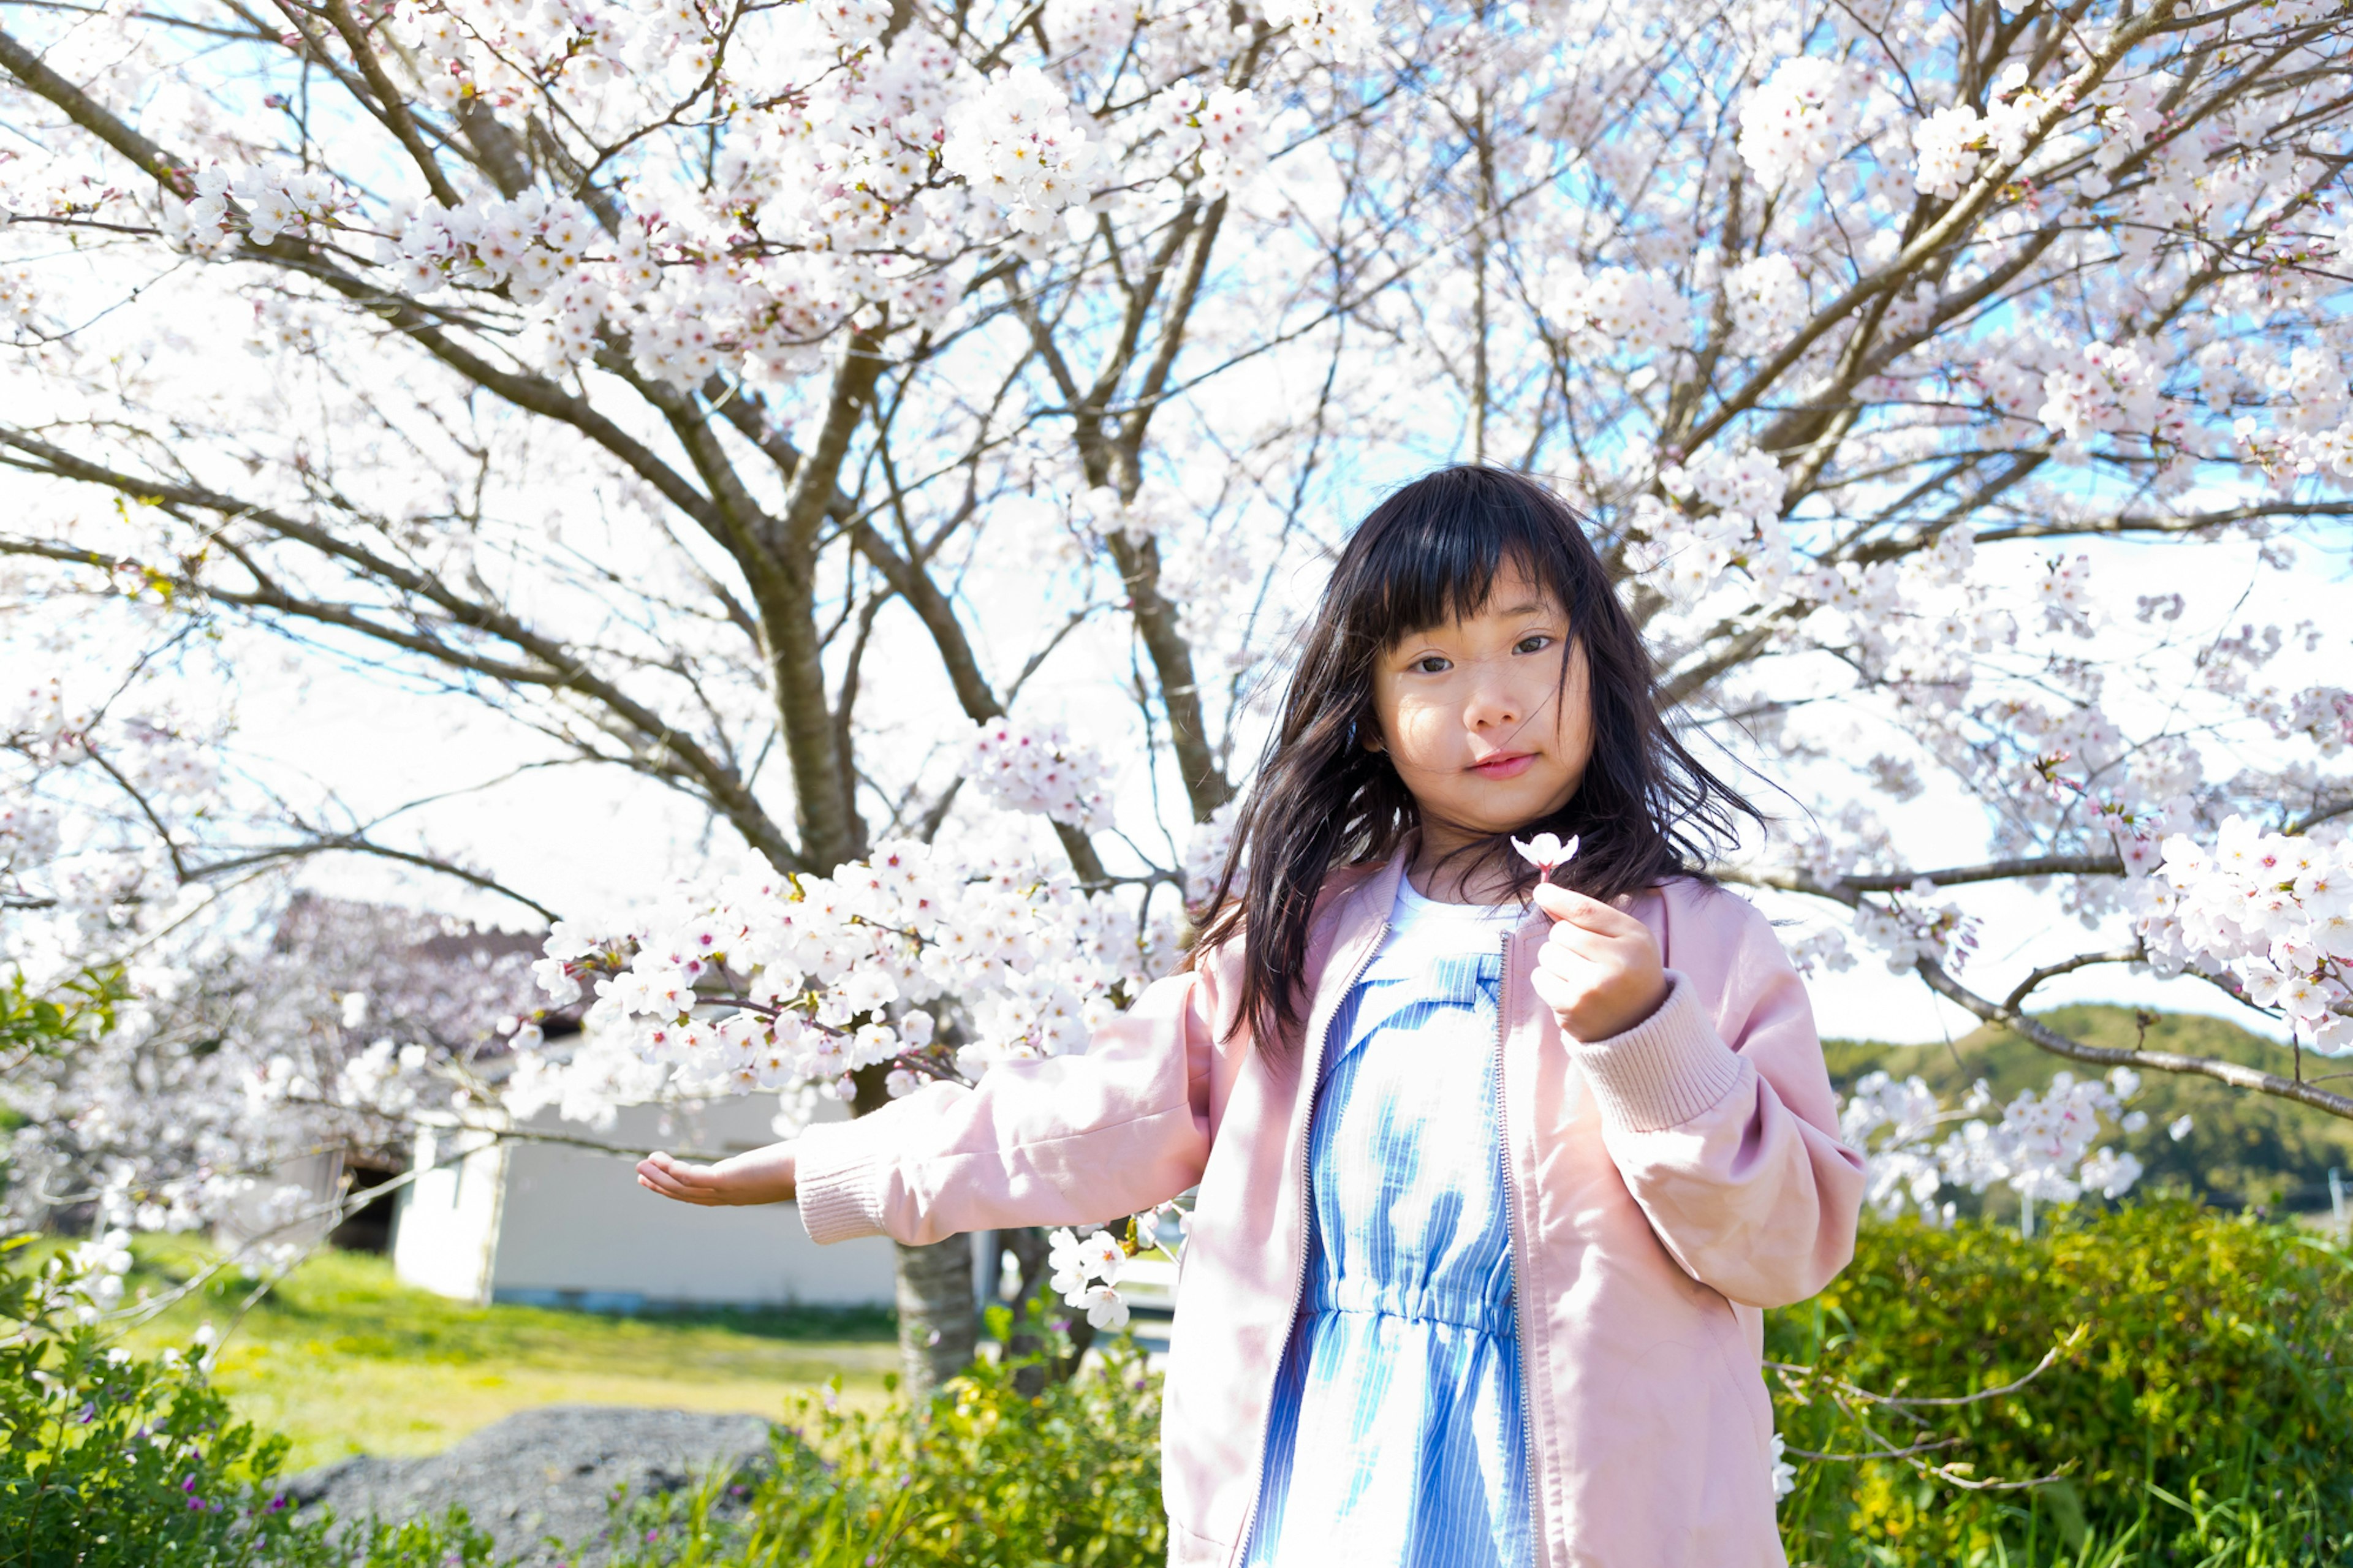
[{"x": 542, "y": 1473}]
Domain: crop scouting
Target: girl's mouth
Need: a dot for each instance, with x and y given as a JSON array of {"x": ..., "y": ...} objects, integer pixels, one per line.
[{"x": 1507, "y": 765}]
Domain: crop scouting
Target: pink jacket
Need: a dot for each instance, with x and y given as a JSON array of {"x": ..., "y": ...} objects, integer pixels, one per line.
[{"x": 1667, "y": 1184}]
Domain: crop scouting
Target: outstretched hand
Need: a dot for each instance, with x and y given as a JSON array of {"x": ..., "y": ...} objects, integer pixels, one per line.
[
  {"x": 1599, "y": 969},
  {"x": 758, "y": 1176}
]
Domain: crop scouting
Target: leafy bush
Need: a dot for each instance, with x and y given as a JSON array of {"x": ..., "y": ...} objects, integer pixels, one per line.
[
  {"x": 114, "y": 1460},
  {"x": 2194, "y": 1421},
  {"x": 2202, "y": 1419},
  {"x": 2197, "y": 1421},
  {"x": 994, "y": 1478}
]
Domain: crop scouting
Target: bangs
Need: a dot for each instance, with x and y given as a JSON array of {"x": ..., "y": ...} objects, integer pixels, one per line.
[{"x": 1434, "y": 558}]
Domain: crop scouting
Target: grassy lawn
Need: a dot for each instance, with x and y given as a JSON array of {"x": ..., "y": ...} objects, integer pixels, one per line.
[{"x": 344, "y": 1359}]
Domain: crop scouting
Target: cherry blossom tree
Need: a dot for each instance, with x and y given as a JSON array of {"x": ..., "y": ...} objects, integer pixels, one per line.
[
  {"x": 753, "y": 398},
  {"x": 179, "y": 1029}
]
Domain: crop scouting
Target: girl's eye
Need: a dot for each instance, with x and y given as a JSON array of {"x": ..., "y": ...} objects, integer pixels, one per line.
[
  {"x": 1433, "y": 663},
  {"x": 1534, "y": 642}
]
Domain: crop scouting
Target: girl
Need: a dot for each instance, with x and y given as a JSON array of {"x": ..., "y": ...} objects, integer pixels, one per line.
[{"x": 1491, "y": 1196}]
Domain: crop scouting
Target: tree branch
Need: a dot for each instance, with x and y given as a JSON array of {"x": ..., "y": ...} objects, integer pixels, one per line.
[{"x": 2012, "y": 1017}]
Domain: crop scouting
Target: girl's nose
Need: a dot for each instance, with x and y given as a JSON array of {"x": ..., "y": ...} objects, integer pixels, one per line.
[{"x": 1489, "y": 707}]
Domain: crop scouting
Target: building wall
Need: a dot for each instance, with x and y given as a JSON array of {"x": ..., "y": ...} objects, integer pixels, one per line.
[
  {"x": 578, "y": 1230},
  {"x": 556, "y": 1224},
  {"x": 445, "y": 1221},
  {"x": 306, "y": 1185}
]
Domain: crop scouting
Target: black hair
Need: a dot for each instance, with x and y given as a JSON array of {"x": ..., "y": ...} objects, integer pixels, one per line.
[{"x": 1645, "y": 810}]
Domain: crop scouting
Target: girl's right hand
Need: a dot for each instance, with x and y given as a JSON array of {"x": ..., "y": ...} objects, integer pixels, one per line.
[{"x": 758, "y": 1176}]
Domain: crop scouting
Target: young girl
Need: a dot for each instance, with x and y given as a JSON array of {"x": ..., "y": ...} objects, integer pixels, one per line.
[{"x": 1491, "y": 1196}]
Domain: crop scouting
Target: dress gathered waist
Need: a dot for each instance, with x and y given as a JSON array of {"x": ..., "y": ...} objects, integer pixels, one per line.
[{"x": 1372, "y": 1298}]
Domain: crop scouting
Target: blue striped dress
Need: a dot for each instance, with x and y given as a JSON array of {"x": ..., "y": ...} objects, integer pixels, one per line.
[{"x": 1396, "y": 1438}]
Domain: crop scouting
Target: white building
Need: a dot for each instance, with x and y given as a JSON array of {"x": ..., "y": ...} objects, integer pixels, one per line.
[{"x": 555, "y": 1225}]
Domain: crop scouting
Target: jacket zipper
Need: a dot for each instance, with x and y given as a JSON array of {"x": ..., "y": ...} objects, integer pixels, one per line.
[
  {"x": 1311, "y": 1067},
  {"x": 1517, "y": 1226}
]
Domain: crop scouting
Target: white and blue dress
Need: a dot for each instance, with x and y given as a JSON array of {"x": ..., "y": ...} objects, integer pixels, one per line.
[{"x": 1396, "y": 1439}]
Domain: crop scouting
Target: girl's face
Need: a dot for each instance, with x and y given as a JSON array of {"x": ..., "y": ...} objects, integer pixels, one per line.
[{"x": 1475, "y": 717}]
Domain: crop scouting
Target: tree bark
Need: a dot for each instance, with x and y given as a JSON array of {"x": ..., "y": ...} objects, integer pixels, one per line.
[
  {"x": 937, "y": 1325},
  {"x": 1030, "y": 1249},
  {"x": 939, "y": 1316}
]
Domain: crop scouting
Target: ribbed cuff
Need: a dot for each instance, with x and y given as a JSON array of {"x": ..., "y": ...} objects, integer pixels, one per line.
[
  {"x": 1665, "y": 1070},
  {"x": 836, "y": 1176}
]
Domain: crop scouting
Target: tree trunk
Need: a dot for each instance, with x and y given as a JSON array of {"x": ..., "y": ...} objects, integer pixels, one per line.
[
  {"x": 939, "y": 1319},
  {"x": 1030, "y": 1249},
  {"x": 937, "y": 1324}
]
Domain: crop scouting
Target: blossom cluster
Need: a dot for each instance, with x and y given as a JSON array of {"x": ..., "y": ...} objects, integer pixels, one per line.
[
  {"x": 1087, "y": 1265},
  {"x": 1616, "y": 308},
  {"x": 2270, "y": 912},
  {"x": 773, "y": 984},
  {"x": 1769, "y": 302},
  {"x": 1910, "y": 927},
  {"x": 1019, "y": 142},
  {"x": 1040, "y": 769},
  {"x": 511, "y": 54},
  {"x": 1224, "y": 126},
  {"x": 1341, "y": 31},
  {"x": 2042, "y": 1146},
  {"x": 842, "y": 193},
  {"x": 1796, "y": 120},
  {"x": 2109, "y": 388},
  {"x": 532, "y": 246},
  {"x": 1152, "y": 512},
  {"x": 92, "y": 1272},
  {"x": 1206, "y": 850},
  {"x": 1951, "y": 142},
  {"x": 1735, "y": 518},
  {"x": 272, "y": 200}
]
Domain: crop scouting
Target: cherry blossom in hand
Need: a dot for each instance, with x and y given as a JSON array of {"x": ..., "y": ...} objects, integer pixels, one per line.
[{"x": 1545, "y": 852}]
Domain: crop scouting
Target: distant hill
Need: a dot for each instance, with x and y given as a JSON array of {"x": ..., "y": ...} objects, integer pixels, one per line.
[{"x": 2243, "y": 1148}]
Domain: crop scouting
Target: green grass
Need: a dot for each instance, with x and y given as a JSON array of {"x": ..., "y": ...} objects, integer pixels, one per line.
[
  {"x": 344, "y": 1359},
  {"x": 2244, "y": 1150}
]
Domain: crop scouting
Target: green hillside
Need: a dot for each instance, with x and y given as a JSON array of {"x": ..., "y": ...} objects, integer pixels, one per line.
[{"x": 2243, "y": 1149}]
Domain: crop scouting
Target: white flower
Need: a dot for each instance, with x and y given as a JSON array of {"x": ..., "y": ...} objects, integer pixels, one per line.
[
  {"x": 2178, "y": 1128},
  {"x": 1105, "y": 1310},
  {"x": 565, "y": 939},
  {"x": 1103, "y": 1256},
  {"x": 1545, "y": 851},
  {"x": 2111, "y": 1174},
  {"x": 1066, "y": 1262},
  {"x": 1785, "y": 1474}
]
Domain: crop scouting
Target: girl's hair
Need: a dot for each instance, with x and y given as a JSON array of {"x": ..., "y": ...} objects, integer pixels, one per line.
[{"x": 1645, "y": 810}]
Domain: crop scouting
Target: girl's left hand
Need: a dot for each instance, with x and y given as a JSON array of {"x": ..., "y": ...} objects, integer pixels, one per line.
[
  {"x": 766, "y": 1176},
  {"x": 1599, "y": 969}
]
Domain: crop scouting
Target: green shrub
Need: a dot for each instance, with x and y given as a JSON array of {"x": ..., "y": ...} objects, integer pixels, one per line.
[
  {"x": 114, "y": 1460},
  {"x": 2198, "y": 1420},
  {"x": 2203, "y": 1418},
  {"x": 994, "y": 1478}
]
